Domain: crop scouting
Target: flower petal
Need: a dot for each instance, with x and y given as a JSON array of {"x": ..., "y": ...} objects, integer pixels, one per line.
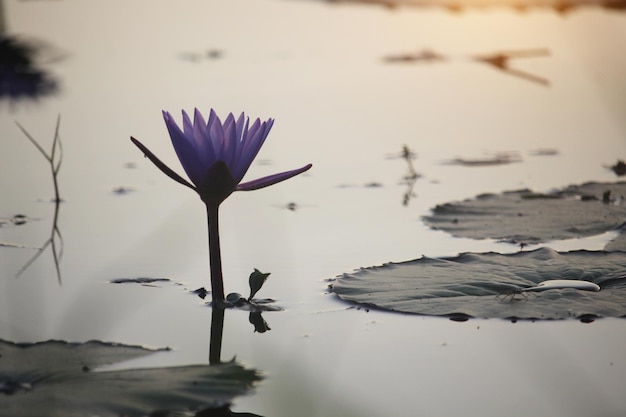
[
  {"x": 202, "y": 141},
  {"x": 271, "y": 179},
  {"x": 185, "y": 150},
  {"x": 215, "y": 132},
  {"x": 230, "y": 136},
  {"x": 254, "y": 141},
  {"x": 187, "y": 125}
]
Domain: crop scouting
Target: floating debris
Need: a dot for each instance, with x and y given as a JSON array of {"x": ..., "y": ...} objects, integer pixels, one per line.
[
  {"x": 15, "y": 220},
  {"x": 425, "y": 55},
  {"x": 122, "y": 190},
  {"x": 201, "y": 292},
  {"x": 501, "y": 158},
  {"x": 501, "y": 62},
  {"x": 544, "y": 152}
]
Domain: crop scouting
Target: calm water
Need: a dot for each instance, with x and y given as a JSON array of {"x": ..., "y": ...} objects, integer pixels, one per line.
[{"x": 320, "y": 72}]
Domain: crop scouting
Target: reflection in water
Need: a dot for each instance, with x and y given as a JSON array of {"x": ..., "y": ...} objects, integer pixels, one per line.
[
  {"x": 256, "y": 319},
  {"x": 411, "y": 176},
  {"x": 500, "y": 158},
  {"x": 619, "y": 168},
  {"x": 500, "y": 61},
  {"x": 217, "y": 329},
  {"x": 409, "y": 193},
  {"x": 61, "y": 378},
  {"x": 215, "y": 353},
  {"x": 55, "y": 241},
  {"x": 195, "y": 57},
  {"x": 425, "y": 55},
  {"x": 20, "y": 77}
]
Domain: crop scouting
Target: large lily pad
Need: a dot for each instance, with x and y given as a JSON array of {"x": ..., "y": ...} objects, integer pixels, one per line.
[
  {"x": 527, "y": 217},
  {"x": 57, "y": 378},
  {"x": 488, "y": 285}
]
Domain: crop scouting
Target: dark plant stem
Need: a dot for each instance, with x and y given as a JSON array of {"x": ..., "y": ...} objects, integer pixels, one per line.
[
  {"x": 55, "y": 158},
  {"x": 215, "y": 257},
  {"x": 217, "y": 329}
]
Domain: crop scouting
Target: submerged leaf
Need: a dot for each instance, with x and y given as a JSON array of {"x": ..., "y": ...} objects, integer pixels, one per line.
[
  {"x": 477, "y": 285},
  {"x": 531, "y": 218},
  {"x": 57, "y": 378}
]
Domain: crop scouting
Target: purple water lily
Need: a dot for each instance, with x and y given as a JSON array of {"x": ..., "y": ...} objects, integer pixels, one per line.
[{"x": 215, "y": 157}]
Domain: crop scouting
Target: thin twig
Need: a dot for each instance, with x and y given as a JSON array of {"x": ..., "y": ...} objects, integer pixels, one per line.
[{"x": 55, "y": 167}]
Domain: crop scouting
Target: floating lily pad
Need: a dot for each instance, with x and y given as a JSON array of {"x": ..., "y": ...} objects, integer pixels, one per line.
[
  {"x": 57, "y": 378},
  {"x": 490, "y": 285},
  {"x": 139, "y": 280},
  {"x": 527, "y": 217}
]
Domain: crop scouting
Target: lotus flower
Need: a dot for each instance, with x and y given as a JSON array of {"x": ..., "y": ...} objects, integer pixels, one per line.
[{"x": 215, "y": 157}]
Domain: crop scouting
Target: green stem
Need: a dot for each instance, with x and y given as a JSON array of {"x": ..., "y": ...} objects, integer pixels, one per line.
[{"x": 215, "y": 257}]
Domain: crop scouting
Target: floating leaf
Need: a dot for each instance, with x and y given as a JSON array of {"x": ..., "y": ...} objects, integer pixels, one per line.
[
  {"x": 57, "y": 378},
  {"x": 139, "y": 280},
  {"x": 477, "y": 285},
  {"x": 527, "y": 217}
]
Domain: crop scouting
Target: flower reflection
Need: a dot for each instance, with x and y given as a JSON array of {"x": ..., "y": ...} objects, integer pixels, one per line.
[
  {"x": 215, "y": 156},
  {"x": 20, "y": 77}
]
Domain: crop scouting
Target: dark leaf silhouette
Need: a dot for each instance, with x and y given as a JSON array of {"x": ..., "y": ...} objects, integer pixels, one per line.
[
  {"x": 492, "y": 285},
  {"x": 528, "y": 217},
  {"x": 61, "y": 379}
]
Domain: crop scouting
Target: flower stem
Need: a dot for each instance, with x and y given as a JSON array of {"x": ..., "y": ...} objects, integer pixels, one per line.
[
  {"x": 215, "y": 257},
  {"x": 217, "y": 329}
]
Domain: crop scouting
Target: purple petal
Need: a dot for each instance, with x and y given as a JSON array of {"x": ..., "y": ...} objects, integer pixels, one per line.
[
  {"x": 216, "y": 133},
  {"x": 256, "y": 137},
  {"x": 187, "y": 125},
  {"x": 241, "y": 128},
  {"x": 201, "y": 140},
  {"x": 230, "y": 138},
  {"x": 271, "y": 179},
  {"x": 185, "y": 150}
]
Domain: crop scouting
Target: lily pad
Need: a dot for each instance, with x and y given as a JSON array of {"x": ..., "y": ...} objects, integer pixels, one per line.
[
  {"x": 527, "y": 217},
  {"x": 56, "y": 378},
  {"x": 487, "y": 285},
  {"x": 139, "y": 280}
]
